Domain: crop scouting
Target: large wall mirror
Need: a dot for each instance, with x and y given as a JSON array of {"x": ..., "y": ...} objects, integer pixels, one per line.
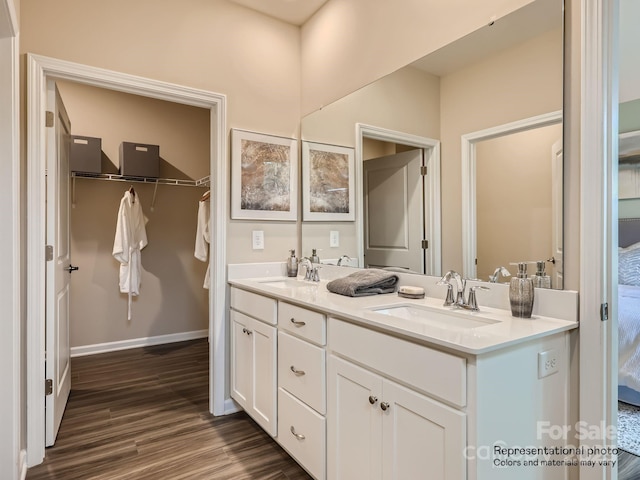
[{"x": 506, "y": 72}]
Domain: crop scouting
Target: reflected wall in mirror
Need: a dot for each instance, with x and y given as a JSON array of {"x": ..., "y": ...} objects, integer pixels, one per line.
[
  {"x": 502, "y": 73},
  {"x": 512, "y": 198}
]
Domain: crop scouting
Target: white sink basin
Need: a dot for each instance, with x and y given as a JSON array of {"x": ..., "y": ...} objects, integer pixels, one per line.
[
  {"x": 438, "y": 318},
  {"x": 285, "y": 283}
]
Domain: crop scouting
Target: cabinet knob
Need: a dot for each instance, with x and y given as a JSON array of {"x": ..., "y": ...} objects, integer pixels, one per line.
[
  {"x": 385, "y": 406},
  {"x": 247, "y": 331},
  {"x": 297, "y": 323},
  {"x": 244, "y": 330},
  {"x": 372, "y": 399},
  {"x": 299, "y": 436},
  {"x": 297, "y": 372}
]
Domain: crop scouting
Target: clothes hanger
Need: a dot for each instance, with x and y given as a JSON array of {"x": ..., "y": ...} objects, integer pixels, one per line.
[
  {"x": 205, "y": 196},
  {"x": 133, "y": 194}
]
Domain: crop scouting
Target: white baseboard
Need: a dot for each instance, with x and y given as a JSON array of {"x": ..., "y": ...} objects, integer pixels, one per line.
[
  {"x": 136, "y": 343},
  {"x": 231, "y": 407},
  {"x": 22, "y": 462}
]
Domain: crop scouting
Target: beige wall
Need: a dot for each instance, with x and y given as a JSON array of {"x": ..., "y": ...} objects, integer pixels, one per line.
[
  {"x": 350, "y": 43},
  {"x": 172, "y": 299},
  {"x": 518, "y": 83},
  {"x": 208, "y": 44},
  {"x": 513, "y": 199}
]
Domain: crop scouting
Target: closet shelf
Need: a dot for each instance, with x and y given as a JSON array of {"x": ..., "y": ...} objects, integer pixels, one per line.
[{"x": 202, "y": 182}]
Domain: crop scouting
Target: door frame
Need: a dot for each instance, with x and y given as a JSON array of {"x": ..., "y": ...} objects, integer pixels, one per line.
[
  {"x": 39, "y": 70},
  {"x": 12, "y": 458},
  {"x": 431, "y": 149},
  {"x": 598, "y": 223},
  {"x": 469, "y": 141}
]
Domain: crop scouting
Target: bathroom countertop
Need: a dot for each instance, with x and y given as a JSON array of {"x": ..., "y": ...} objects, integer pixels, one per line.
[{"x": 505, "y": 332}]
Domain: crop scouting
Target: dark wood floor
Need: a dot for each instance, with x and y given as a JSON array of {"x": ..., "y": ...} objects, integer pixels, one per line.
[{"x": 143, "y": 414}]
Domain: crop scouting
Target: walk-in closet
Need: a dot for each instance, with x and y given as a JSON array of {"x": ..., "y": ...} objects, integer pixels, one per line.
[{"x": 172, "y": 304}]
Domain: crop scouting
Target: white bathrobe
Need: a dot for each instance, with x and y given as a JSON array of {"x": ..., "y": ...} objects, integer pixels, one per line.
[
  {"x": 131, "y": 237},
  {"x": 203, "y": 236}
]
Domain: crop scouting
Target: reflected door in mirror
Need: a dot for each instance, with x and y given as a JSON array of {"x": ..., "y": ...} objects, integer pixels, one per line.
[{"x": 393, "y": 211}]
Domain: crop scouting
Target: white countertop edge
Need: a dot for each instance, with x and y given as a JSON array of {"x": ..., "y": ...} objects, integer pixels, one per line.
[{"x": 508, "y": 332}]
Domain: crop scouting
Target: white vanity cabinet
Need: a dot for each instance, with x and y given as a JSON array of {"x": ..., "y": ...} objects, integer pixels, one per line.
[
  {"x": 254, "y": 356},
  {"x": 379, "y": 429},
  {"x": 302, "y": 386}
]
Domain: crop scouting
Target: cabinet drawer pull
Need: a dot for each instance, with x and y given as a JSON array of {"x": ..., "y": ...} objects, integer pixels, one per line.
[
  {"x": 385, "y": 406},
  {"x": 372, "y": 399},
  {"x": 297, "y": 323},
  {"x": 297, "y": 372},
  {"x": 299, "y": 436}
]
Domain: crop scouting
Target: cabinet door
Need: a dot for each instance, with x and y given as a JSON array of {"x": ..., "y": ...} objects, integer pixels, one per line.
[
  {"x": 421, "y": 437},
  {"x": 264, "y": 404},
  {"x": 355, "y": 427},
  {"x": 241, "y": 359}
]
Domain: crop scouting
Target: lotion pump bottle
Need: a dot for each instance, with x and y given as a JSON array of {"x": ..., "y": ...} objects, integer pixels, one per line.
[
  {"x": 541, "y": 279},
  {"x": 314, "y": 256},
  {"x": 292, "y": 264},
  {"x": 521, "y": 293}
]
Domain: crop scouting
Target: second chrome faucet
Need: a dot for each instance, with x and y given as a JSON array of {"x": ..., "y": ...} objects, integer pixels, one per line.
[{"x": 461, "y": 284}]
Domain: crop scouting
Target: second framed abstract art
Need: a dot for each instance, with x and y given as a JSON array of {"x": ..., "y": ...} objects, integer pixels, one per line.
[{"x": 327, "y": 183}]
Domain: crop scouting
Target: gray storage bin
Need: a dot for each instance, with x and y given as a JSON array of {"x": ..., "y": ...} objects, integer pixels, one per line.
[
  {"x": 85, "y": 154},
  {"x": 139, "y": 160}
]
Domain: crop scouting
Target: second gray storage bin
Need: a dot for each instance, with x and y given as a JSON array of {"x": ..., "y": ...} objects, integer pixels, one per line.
[{"x": 139, "y": 160}]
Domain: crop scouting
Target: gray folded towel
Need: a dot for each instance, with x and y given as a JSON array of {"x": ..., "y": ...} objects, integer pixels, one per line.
[{"x": 370, "y": 281}]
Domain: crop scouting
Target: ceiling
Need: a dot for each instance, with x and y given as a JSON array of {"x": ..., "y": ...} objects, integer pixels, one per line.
[{"x": 295, "y": 12}]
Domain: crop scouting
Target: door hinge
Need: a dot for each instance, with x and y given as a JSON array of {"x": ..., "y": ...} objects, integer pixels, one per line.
[
  {"x": 423, "y": 170},
  {"x": 48, "y": 119},
  {"x": 48, "y": 252},
  {"x": 425, "y": 244},
  {"x": 604, "y": 312},
  {"x": 48, "y": 386}
]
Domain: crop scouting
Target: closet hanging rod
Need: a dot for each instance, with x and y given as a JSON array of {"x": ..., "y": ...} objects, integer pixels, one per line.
[{"x": 203, "y": 182}]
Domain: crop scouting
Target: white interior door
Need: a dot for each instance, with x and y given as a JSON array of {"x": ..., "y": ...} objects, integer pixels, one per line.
[
  {"x": 557, "y": 236},
  {"x": 58, "y": 270},
  {"x": 393, "y": 211}
]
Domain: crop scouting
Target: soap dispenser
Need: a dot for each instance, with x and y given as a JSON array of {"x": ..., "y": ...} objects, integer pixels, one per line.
[
  {"x": 292, "y": 264},
  {"x": 521, "y": 293},
  {"x": 541, "y": 279},
  {"x": 314, "y": 256}
]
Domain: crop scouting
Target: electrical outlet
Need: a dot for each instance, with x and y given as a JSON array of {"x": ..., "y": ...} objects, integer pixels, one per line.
[
  {"x": 257, "y": 239},
  {"x": 334, "y": 238},
  {"x": 548, "y": 363}
]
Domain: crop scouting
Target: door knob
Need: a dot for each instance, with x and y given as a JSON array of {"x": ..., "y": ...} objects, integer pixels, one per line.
[{"x": 71, "y": 268}]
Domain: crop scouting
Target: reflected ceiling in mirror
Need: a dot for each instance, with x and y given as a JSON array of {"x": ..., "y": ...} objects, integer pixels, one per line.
[{"x": 502, "y": 73}]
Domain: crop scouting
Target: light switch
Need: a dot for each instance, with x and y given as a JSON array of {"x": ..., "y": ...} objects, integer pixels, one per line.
[
  {"x": 257, "y": 238},
  {"x": 334, "y": 238}
]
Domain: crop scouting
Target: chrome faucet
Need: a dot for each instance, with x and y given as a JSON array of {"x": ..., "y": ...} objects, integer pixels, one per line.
[
  {"x": 346, "y": 258},
  {"x": 311, "y": 273},
  {"x": 496, "y": 275},
  {"x": 460, "y": 287},
  {"x": 306, "y": 263}
]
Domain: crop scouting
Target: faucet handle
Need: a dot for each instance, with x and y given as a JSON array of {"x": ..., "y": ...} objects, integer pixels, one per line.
[{"x": 473, "y": 303}]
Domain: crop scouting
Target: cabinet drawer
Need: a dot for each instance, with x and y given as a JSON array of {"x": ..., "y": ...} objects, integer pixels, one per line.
[
  {"x": 257, "y": 306},
  {"x": 433, "y": 372},
  {"x": 308, "y": 381},
  {"x": 302, "y": 322},
  {"x": 308, "y": 445}
]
